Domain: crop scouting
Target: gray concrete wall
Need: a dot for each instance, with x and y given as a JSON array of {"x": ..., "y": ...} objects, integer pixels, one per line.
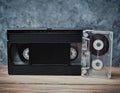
[{"x": 84, "y": 14}]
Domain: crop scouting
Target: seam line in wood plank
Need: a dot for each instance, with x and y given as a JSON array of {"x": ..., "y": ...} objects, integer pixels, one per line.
[{"x": 58, "y": 84}]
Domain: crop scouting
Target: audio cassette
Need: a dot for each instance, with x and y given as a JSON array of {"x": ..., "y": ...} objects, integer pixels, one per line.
[
  {"x": 44, "y": 51},
  {"x": 96, "y": 55}
]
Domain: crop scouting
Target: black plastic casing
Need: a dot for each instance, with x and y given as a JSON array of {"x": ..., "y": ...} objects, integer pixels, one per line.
[{"x": 45, "y": 41}]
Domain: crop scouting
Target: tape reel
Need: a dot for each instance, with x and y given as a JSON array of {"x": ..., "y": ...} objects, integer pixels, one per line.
[
  {"x": 99, "y": 44},
  {"x": 97, "y": 64},
  {"x": 73, "y": 53},
  {"x": 26, "y": 53},
  {"x": 23, "y": 51}
]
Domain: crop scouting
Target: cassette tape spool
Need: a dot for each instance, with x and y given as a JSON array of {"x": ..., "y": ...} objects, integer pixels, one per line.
[
  {"x": 75, "y": 53},
  {"x": 26, "y": 53},
  {"x": 98, "y": 46},
  {"x": 20, "y": 54},
  {"x": 97, "y": 64}
]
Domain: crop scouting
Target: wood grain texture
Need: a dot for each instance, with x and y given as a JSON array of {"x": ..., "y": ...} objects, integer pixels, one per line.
[{"x": 57, "y": 84}]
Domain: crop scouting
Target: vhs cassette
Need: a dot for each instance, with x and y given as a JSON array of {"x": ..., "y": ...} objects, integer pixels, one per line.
[{"x": 44, "y": 52}]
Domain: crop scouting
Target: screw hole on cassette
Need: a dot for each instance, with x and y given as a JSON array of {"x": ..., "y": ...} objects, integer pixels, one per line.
[
  {"x": 109, "y": 75},
  {"x": 73, "y": 53},
  {"x": 84, "y": 72},
  {"x": 85, "y": 34}
]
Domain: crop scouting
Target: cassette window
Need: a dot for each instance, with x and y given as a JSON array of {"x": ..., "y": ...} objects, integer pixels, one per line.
[{"x": 40, "y": 53}]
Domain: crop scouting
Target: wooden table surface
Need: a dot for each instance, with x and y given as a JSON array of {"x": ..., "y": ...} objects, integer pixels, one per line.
[{"x": 57, "y": 84}]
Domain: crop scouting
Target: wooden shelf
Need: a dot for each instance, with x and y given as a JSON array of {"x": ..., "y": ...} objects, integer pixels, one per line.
[{"x": 57, "y": 84}]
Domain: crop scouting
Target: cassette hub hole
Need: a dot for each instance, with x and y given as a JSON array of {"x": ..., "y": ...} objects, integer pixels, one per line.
[
  {"x": 97, "y": 64},
  {"x": 98, "y": 44}
]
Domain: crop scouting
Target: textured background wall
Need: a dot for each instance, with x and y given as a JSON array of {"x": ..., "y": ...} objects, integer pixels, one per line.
[{"x": 84, "y": 14}]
